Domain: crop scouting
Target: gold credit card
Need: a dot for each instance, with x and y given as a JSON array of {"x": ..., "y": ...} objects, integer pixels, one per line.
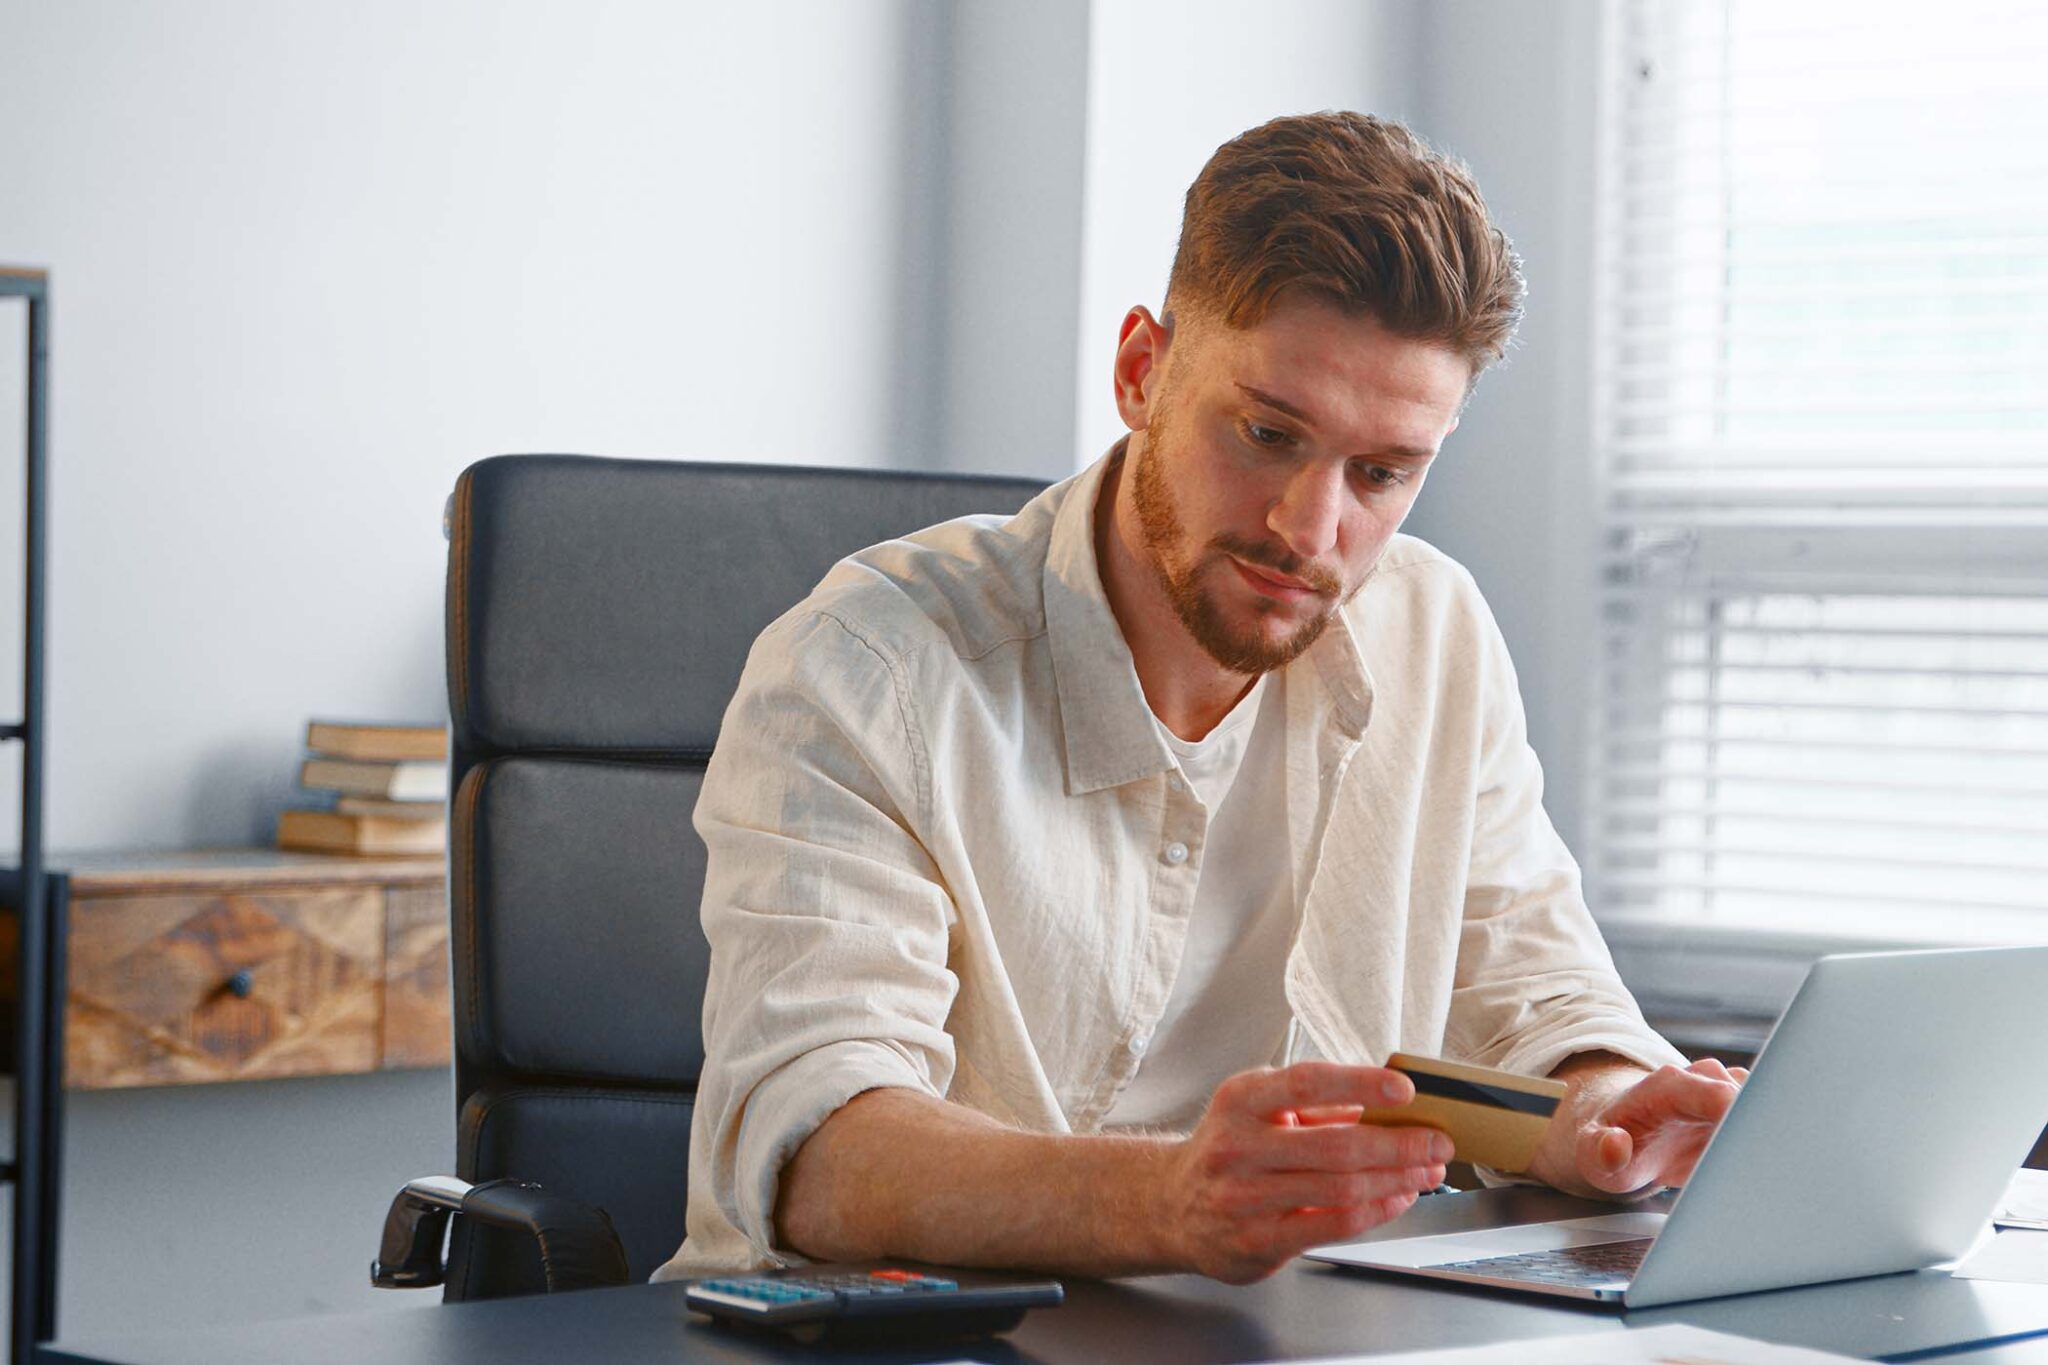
[{"x": 1495, "y": 1118}]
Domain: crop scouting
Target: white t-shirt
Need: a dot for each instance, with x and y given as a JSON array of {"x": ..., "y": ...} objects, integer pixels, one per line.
[{"x": 1228, "y": 1008}]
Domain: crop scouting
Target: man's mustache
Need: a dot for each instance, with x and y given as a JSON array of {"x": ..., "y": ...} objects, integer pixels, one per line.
[{"x": 1268, "y": 556}]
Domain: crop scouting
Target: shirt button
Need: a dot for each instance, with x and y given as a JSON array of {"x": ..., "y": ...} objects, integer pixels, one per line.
[
  {"x": 1176, "y": 784},
  {"x": 1176, "y": 853},
  {"x": 1140, "y": 1039}
]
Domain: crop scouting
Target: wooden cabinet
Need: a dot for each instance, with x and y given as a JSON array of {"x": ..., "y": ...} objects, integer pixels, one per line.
[{"x": 241, "y": 965}]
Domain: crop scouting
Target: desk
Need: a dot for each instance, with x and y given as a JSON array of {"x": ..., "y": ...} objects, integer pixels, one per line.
[{"x": 1305, "y": 1311}]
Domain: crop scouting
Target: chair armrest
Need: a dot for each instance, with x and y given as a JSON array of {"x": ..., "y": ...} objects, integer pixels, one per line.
[{"x": 579, "y": 1249}]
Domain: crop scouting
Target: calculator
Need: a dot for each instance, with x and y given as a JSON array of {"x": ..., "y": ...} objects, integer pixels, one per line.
[{"x": 874, "y": 1303}]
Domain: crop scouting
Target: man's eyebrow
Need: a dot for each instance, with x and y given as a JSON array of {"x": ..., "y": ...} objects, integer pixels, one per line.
[
  {"x": 1418, "y": 454},
  {"x": 1261, "y": 396}
]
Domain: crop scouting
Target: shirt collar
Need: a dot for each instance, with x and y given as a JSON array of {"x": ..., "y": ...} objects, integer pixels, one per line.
[
  {"x": 1340, "y": 666},
  {"x": 1111, "y": 734}
]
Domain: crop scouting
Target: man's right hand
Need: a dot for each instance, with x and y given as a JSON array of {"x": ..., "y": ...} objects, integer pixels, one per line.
[{"x": 1280, "y": 1163}]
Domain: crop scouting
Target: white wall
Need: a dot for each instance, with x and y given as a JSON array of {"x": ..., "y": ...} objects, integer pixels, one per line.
[
  {"x": 1510, "y": 90},
  {"x": 1073, "y": 129},
  {"x": 310, "y": 260},
  {"x": 1016, "y": 118},
  {"x": 1168, "y": 82}
]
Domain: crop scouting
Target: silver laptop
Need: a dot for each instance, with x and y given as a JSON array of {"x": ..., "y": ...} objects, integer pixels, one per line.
[{"x": 1880, "y": 1124}]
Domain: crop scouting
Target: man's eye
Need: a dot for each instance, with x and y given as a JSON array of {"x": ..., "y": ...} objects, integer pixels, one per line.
[
  {"x": 1379, "y": 476},
  {"x": 1259, "y": 434}
]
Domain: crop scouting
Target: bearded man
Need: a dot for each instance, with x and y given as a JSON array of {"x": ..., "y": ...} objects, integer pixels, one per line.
[{"x": 1071, "y": 875}]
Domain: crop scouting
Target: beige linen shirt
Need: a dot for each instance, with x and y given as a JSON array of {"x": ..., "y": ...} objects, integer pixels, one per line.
[{"x": 947, "y": 853}]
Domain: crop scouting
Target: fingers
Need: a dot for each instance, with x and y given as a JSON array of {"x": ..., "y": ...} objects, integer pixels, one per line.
[
  {"x": 1331, "y": 1113},
  {"x": 1284, "y": 1192},
  {"x": 1281, "y": 1163},
  {"x": 1349, "y": 1147},
  {"x": 1308, "y": 1086},
  {"x": 1320, "y": 1113},
  {"x": 1670, "y": 1094},
  {"x": 1605, "y": 1158},
  {"x": 1654, "y": 1132},
  {"x": 1715, "y": 1069},
  {"x": 1310, "y": 1227}
]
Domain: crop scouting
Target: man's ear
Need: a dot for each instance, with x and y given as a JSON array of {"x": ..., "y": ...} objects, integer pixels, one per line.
[{"x": 1140, "y": 354}]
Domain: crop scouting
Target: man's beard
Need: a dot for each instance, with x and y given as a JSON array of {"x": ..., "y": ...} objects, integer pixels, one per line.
[{"x": 1200, "y": 611}]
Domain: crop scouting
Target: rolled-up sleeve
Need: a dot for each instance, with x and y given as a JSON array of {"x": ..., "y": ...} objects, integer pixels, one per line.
[
  {"x": 1534, "y": 982},
  {"x": 827, "y": 920}
]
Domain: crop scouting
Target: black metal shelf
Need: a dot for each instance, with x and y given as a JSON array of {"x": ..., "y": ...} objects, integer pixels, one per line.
[{"x": 37, "y": 896}]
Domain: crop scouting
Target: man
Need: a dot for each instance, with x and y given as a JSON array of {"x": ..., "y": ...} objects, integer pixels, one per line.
[{"x": 1069, "y": 876}]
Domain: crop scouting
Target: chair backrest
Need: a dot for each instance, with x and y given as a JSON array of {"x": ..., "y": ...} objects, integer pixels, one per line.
[{"x": 599, "y": 613}]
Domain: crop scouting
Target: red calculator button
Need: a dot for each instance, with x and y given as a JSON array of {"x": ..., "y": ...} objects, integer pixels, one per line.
[{"x": 890, "y": 1275}]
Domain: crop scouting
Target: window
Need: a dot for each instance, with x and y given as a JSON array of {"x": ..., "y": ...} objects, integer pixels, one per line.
[{"x": 1822, "y": 432}]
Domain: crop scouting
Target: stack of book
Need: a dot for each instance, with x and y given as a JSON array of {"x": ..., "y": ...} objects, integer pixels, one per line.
[{"x": 388, "y": 786}]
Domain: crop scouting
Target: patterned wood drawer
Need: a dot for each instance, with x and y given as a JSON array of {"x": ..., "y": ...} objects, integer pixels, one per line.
[
  {"x": 243, "y": 966},
  {"x": 416, "y": 1028}
]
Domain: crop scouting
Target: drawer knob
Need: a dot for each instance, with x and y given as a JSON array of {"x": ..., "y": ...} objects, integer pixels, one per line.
[{"x": 241, "y": 984}]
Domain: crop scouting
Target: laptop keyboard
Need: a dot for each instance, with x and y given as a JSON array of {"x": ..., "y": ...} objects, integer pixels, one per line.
[{"x": 1606, "y": 1265}]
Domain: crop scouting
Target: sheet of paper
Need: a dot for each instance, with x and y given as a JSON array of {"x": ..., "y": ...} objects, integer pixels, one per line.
[
  {"x": 2020, "y": 1256},
  {"x": 1672, "y": 1344},
  {"x": 2025, "y": 1203}
]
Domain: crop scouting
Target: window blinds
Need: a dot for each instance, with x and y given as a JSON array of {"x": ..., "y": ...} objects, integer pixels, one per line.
[{"x": 1822, "y": 433}]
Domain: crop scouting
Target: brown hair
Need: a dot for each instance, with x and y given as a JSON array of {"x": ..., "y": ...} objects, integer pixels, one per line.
[{"x": 1355, "y": 210}]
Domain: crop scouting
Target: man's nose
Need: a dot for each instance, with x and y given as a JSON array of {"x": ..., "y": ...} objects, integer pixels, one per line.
[{"x": 1309, "y": 509}]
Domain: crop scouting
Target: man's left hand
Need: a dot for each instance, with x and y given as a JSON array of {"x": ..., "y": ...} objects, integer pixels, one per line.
[{"x": 1622, "y": 1130}]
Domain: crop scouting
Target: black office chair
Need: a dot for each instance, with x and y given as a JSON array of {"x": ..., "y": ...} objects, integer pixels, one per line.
[{"x": 599, "y": 612}]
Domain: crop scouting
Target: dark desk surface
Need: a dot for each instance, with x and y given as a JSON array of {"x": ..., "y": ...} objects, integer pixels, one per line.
[{"x": 1305, "y": 1311}]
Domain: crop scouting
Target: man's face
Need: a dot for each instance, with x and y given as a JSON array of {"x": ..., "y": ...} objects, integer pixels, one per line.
[{"x": 1277, "y": 463}]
